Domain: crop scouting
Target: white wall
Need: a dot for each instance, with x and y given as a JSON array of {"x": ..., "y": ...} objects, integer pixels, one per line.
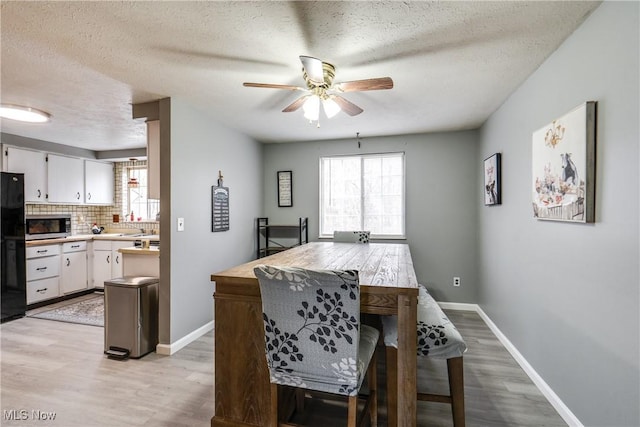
[
  {"x": 441, "y": 210},
  {"x": 567, "y": 295},
  {"x": 200, "y": 147}
]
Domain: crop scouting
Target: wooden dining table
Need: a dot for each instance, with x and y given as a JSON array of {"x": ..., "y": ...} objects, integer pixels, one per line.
[{"x": 388, "y": 286}]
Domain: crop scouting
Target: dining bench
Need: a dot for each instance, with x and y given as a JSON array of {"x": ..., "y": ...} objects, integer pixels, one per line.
[{"x": 438, "y": 338}]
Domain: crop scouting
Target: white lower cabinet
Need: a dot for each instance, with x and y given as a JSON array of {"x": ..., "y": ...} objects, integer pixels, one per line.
[
  {"x": 74, "y": 267},
  {"x": 107, "y": 261},
  {"x": 40, "y": 290},
  {"x": 101, "y": 262},
  {"x": 43, "y": 271}
]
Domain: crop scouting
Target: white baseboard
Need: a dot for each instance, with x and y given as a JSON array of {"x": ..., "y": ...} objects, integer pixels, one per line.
[
  {"x": 461, "y": 306},
  {"x": 169, "y": 349},
  {"x": 544, "y": 388}
]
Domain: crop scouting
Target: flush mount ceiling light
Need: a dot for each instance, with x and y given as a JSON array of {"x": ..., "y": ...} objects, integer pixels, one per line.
[{"x": 23, "y": 114}]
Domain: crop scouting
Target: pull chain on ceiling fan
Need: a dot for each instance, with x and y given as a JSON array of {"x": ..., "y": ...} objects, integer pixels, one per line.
[{"x": 321, "y": 89}]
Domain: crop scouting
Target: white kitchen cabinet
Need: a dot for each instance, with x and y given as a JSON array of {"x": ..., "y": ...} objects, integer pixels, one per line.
[
  {"x": 101, "y": 262},
  {"x": 116, "y": 267},
  {"x": 73, "y": 276},
  {"x": 65, "y": 179},
  {"x": 43, "y": 272},
  {"x": 99, "y": 183},
  {"x": 107, "y": 261},
  {"x": 34, "y": 166}
]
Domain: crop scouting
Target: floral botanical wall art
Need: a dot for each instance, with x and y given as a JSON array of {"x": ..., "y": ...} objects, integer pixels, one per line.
[{"x": 563, "y": 161}]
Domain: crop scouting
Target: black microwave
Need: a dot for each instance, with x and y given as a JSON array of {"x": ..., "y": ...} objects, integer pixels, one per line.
[{"x": 47, "y": 226}]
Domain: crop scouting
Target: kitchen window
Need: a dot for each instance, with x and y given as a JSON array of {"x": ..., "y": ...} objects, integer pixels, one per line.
[
  {"x": 363, "y": 192},
  {"x": 143, "y": 208}
]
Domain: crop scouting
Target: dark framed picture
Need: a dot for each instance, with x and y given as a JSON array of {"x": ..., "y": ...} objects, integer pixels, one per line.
[
  {"x": 285, "y": 189},
  {"x": 492, "y": 179}
]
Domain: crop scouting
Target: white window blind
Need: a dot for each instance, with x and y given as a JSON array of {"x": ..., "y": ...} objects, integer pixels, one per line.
[{"x": 364, "y": 192}]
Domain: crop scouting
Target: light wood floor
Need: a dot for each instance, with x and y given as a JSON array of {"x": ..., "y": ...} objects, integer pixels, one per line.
[{"x": 59, "y": 367}]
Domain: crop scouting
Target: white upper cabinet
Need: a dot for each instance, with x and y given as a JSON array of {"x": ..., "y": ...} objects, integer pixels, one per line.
[
  {"x": 99, "y": 183},
  {"x": 65, "y": 178},
  {"x": 34, "y": 166}
]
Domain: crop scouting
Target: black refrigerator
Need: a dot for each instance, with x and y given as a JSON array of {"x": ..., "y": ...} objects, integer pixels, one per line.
[{"x": 13, "y": 271}]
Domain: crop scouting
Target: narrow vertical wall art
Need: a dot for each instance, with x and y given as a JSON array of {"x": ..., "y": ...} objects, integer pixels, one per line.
[
  {"x": 492, "y": 178},
  {"x": 285, "y": 189},
  {"x": 219, "y": 206}
]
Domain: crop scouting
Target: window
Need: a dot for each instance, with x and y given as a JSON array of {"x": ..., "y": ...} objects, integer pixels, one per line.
[
  {"x": 136, "y": 200},
  {"x": 364, "y": 192}
]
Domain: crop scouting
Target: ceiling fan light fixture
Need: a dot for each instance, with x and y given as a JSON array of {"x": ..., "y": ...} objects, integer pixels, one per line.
[
  {"x": 23, "y": 114},
  {"x": 311, "y": 108},
  {"x": 330, "y": 107}
]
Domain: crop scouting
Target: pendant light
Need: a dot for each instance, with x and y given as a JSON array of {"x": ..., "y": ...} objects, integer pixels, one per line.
[{"x": 133, "y": 179}]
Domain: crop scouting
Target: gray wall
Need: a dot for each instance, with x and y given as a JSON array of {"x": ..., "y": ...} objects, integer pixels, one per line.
[
  {"x": 441, "y": 208},
  {"x": 199, "y": 148},
  {"x": 567, "y": 294}
]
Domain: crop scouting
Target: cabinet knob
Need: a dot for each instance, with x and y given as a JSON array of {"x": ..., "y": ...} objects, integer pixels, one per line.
[
  {"x": 89, "y": 196},
  {"x": 78, "y": 195},
  {"x": 108, "y": 259},
  {"x": 39, "y": 194},
  {"x": 41, "y": 291},
  {"x": 68, "y": 262},
  {"x": 41, "y": 268},
  {"x": 43, "y": 251}
]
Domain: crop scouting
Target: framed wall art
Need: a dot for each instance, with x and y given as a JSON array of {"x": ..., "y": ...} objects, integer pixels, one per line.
[
  {"x": 563, "y": 164},
  {"x": 219, "y": 208},
  {"x": 285, "y": 189},
  {"x": 492, "y": 178}
]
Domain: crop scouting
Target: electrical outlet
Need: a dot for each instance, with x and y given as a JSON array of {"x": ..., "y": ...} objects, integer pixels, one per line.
[
  {"x": 180, "y": 224},
  {"x": 456, "y": 281}
]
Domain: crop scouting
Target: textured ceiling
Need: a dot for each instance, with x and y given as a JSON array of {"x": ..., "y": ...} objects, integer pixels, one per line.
[{"x": 453, "y": 63}]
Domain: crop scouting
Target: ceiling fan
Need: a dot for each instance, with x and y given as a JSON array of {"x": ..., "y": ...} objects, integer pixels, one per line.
[{"x": 321, "y": 89}]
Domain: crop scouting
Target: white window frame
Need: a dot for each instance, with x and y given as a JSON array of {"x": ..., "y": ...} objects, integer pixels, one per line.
[
  {"x": 151, "y": 206},
  {"x": 362, "y": 158}
]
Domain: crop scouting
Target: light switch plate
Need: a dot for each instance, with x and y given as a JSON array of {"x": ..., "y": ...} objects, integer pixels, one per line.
[{"x": 180, "y": 224}]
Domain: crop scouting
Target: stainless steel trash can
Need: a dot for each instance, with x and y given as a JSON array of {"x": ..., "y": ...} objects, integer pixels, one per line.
[{"x": 130, "y": 316}]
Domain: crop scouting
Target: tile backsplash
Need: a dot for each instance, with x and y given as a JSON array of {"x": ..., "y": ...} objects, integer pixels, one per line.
[{"x": 83, "y": 217}]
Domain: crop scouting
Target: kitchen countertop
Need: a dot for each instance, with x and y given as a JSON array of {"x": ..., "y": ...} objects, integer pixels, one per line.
[
  {"x": 140, "y": 251},
  {"x": 104, "y": 236}
]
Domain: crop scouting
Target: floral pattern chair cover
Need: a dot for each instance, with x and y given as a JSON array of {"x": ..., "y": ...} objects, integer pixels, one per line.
[
  {"x": 351, "y": 236},
  {"x": 313, "y": 336},
  {"x": 437, "y": 336}
]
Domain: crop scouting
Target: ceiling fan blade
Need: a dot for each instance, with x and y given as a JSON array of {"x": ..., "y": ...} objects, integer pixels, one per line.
[
  {"x": 295, "y": 104},
  {"x": 313, "y": 67},
  {"x": 272, "y": 86},
  {"x": 367, "y": 84},
  {"x": 348, "y": 107}
]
